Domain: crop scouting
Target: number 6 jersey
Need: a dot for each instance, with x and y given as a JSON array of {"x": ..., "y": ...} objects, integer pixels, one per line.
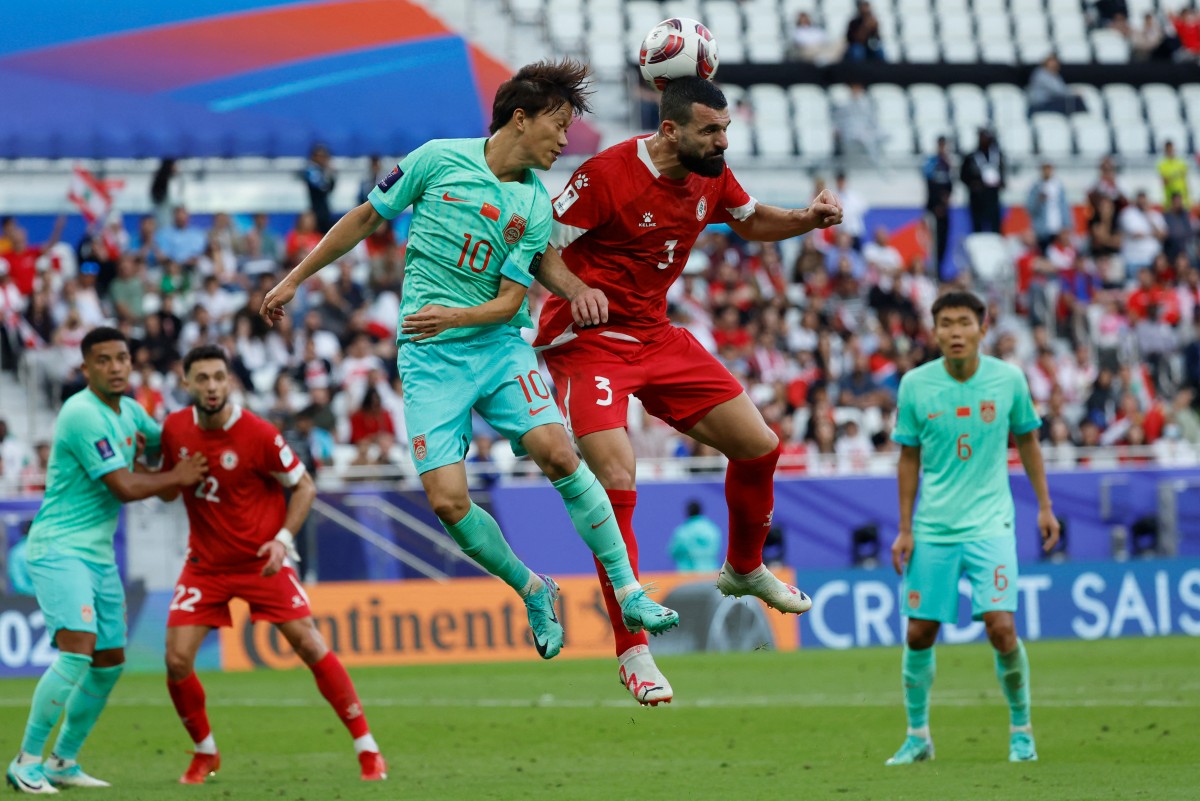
[
  {"x": 626, "y": 229},
  {"x": 240, "y": 504}
]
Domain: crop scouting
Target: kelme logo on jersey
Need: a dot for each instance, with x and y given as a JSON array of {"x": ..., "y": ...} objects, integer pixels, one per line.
[
  {"x": 229, "y": 460},
  {"x": 702, "y": 208},
  {"x": 419, "y": 450},
  {"x": 514, "y": 230},
  {"x": 395, "y": 175},
  {"x": 987, "y": 411}
]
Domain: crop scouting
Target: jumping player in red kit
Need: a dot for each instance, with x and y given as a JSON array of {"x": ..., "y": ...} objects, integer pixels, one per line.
[
  {"x": 241, "y": 525},
  {"x": 625, "y": 225}
]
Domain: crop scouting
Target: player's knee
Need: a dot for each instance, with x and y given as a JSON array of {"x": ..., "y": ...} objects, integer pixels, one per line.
[
  {"x": 560, "y": 461},
  {"x": 450, "y": 508},
  {"x": 1002, "y": 632},
  {"x": 311, "y": 649},
  {"x": 179, "y": 665},
  {"x": 615, "y": 476},
  {"x": 921, "y": 637}
]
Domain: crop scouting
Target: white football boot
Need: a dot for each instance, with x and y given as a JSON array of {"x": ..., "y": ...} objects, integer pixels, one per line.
[
  {"x": 643, "y": 679},
  {"x": 762, "y": 584}
]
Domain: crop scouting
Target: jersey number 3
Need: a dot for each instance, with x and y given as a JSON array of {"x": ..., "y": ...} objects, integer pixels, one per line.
[{"x": 671, "y": 243}]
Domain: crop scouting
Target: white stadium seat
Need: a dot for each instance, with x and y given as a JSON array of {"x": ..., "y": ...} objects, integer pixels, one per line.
[
  {"x": 1092, "y": 99},
  {"x": 1076, "y": 51},
  {"x": 1189, "y": 96},
  {"x": 775, "y": 140},
  {"x": 891, "y": 104},
  {"x": 969, "y": 104},
  {"x": 1033, "y": 51},
  {"x": 1053, "y": 134},
  {"x": 815, "y": 142},
  {"x": 810, "y": 105},
  {"x": 1124, "y": 103},
  {"x": 1162, "y": 105},
  {"x": 997, "y": 51},
  {"x": 1177, "y": 134},
  {"x": 1132, "y": 139},
  {"x": 1110, "y": 47},
  {"x": 921, "y": 52},
  {"x": 1008, "y": 104},
  {"x": 928, "y": 104},
  {"x": 1016, "y": 139},
  {"x": 770, "y": 103},
  {"x": 1092, "y": 136}
]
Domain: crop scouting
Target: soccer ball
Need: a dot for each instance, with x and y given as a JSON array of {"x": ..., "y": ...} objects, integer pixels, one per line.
[{"x": 676, "y": 48}]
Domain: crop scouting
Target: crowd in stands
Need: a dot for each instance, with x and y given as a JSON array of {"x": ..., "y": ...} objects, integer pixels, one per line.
[{"x": 1104, "y": 324}]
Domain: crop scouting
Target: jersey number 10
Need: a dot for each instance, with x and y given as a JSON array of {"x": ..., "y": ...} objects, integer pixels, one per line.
[{"x": 487, "y": 256}]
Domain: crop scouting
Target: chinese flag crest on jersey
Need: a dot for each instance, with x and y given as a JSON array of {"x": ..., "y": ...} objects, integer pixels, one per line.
[
  {"x": 987, "y": 411},
  {"x": 514, "y": 230},
  {"x": 419, "y": 450}
]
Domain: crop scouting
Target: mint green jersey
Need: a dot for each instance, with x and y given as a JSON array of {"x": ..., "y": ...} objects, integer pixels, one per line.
[
  {"x": 468, "y": 229},
  {"x": 962, "y": 430},
  {"x": 78, "y": 516}
]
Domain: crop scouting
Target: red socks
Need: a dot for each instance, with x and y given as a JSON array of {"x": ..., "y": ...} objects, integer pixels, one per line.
[
  {"x": 188, "y": 697},
  {"x": 623, "y": 502},
  {"x": 750, "y": 495},
  {"x": 334, "y": 683}
]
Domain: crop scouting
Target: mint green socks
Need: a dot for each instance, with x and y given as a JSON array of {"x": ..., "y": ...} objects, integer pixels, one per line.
[
  {"x": 84, "y": 706},
  {"x": 1013, "y": 671},
  {"x": 479, "y": 535},
  {"x": 592, "y": 515},
  {"x": 50, "y": 698},
  {"x": 918, "y": 669}
]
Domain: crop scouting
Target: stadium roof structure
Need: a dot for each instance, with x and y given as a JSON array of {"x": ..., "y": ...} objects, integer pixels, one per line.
[{"x": 225, "y": 78}]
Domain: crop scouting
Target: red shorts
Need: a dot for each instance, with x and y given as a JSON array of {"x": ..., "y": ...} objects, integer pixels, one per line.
[
  {"x": 674, "y": 377},
  {"x": 202, "y": 597}
]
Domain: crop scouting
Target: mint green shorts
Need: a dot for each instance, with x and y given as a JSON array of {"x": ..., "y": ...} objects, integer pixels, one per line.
[
  {"x": 78, "y": 595},
  {"x": 496, "y": 374},
  {"x": 931, "y": 582}
]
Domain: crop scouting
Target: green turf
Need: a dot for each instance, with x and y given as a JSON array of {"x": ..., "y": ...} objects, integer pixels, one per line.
[{"x": 1114, "y": 719}]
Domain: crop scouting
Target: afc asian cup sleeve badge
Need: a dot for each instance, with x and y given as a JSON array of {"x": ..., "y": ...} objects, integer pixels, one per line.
[
  {"x": 702, "y": 208},
  {"x": 987, "y": 411},
  {"x": 229, "y": 460},
  {"x": 515, "y": 229},
  {"x": 419, "y": 449},
  {"x": 914, "y": 599}
]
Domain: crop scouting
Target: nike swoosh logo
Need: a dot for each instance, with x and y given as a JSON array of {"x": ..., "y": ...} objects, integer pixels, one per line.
[
  {"x": 935, "y": 415},
  {"x": 602, "y": 522},
  {"x": 539, "y": 409},
  {"x": 33, "y": 788},
  {"x": 446, "y": 197},
  {"x": 997, "y": 599}
]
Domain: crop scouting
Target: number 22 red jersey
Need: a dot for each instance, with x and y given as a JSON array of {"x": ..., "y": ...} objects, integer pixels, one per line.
[
  {"x": 240, "y": 504},
  {"x": 626, "y": 229}
]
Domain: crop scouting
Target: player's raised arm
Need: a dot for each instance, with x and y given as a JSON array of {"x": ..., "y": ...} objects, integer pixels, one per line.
[
  {"x": 589, "y": 305},
  {"x": 355, "y": 226},
  {"x": 771, "y": 223}
]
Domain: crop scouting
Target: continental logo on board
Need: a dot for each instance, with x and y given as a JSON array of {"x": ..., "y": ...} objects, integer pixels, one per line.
[{"x": 481, "y": 619}]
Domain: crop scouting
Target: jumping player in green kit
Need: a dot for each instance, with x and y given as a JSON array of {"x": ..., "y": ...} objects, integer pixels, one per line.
[
  {"x": 954, "y": 420},
  {"x": 481, "y": 220},
  {"x": 72, "y": 564}
]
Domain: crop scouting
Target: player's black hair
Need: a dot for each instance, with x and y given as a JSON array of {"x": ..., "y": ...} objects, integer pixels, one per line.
[
  {"x": 960, "y": 299},
  {"x": 543, "y": 87},
  {"x": 681, "y": 93},
  {"x": 98, "y": 335},
  {"x": 202, "y": 352}
]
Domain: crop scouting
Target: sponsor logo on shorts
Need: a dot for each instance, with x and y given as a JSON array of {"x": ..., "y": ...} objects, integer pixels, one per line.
[
  {"x": 914, "y": 599},
  {"x": 702, "y": 208},
  {"x": 86, "y": 613},
  {"x": 538, "y": 410},
  {"x": 998, "y": 599},
  {"x": 419, "y": 450},
  {"x": 987, "y": 411},
  {"x": 229, "y": 460},
  {"x": 515, "y": 229},
  {"x": 297, "y": 602},
  {"x": 105, "y": 448}
]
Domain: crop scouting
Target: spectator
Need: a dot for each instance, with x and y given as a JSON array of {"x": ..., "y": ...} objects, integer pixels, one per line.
[
  {"x": 1113, "y": 14},
  {"x": 1174, "y": 174},
  {"x": 260, "y": 242},
  {"x": 883, "y": 260},
  {"x": 694, "y": 543},
  {"x": 13, "y": 453},
  {"x": 12, "y": 306},
  {"x": 22, "y": 257},
  {"x": 1047, "y": 207},
  {"x": 845, "y": 252},
  {"x": 862, "y": 35},
  {"x": 939, "y": 184},
  {"x": 371, "y": 422},
  {"x": 1183, "y": 414},
  {"x": 856, "y": 128},
  {"x": 853, "y": 449},
  {"x": 983, "y": 172},
  {"x": 145, "y": 244},
  {"x": 1048, "y": 92},
  {"x": 1059, "y": 450},
  {"x": 1181, "y": 229},
  {"x": 854, "y": 209},
  {"x": 127, "y": 291},
  {"x": 810, "y": 42},
  {"x": 182, "y": 242},
  {"x": 1143, "y": 230},
  {"x": 1187, "y": 28},
  {"x": 33, "y": 476},
  {"x": 319, "y": 178},
  {"x": 303, "y": 237},
  {"x": 1104, "y": 239},
  {"x": 1147, "y": 41},
  {"x": 166, "y": 191}
]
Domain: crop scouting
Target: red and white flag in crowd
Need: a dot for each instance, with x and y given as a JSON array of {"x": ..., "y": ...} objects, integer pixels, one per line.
[{"x": 91, "y": 195}]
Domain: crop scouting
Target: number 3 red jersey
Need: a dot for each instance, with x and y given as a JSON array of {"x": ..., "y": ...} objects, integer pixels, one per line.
[
  {"x": 240, "y": 504},
  {"x": 626, "y": 229}
]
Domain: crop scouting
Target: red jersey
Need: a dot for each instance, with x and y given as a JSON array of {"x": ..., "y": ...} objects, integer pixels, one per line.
[
  {"x": 627, "y": 230},
  {"x": 240, "y": 503}
]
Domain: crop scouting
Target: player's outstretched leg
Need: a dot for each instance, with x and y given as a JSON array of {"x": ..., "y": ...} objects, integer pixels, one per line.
[
  {"x": 26, "y": 773},
  {"x": 918, "y": 669},
  {"x": 336, "y": 686},
  {"x": 750, "y": 494},
  {"x": 594, "y": 519},
  {"x": 83, "y": 709},
  {"x": 189, "y": 699},
  {"x": 478, "y": 534},
  {"x": 1012, "y": 669}
]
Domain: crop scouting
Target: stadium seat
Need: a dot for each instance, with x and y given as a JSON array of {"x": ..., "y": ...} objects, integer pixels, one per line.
[
  {"x": 990, "y": 7},
  {"x": 1053, "y": 134},
  {"x": 815, "y": 142},
  {"x": 1033, "y": 51},
  {"x": 921, "y": 52},
  {"x": 990, "y": 258},
  {"x": 1174, "y": 133},
  {"x": 770, "y": 104},
  {"x": 913, "y": 9},
  {"x": 1123, "y": 102},
  {"x": 810, "y": 106},
  {"x": 969, "y": 105},
  {"x": 1131, "y": 139},
  {"x": 1162, "y": 105},
  {"x": 1092, "y": 136},
  {"x": 766, "y": 51},
  {"x": 1029, "y": 25},
  {"x": 956, "y": 26},
  {"x": 928, "y": 103},
  {"x": 1016, "y": 139},
  {"x": 1076, "y": 51},
  {"x": 945, "y": 8},
  {"x": 891, "y": 104},
  {"x": 775, "y": 140},
  {"x": 961, "y": 50},
  {"x": 1008, "y": 104},
  {"x": 992, "y": 26},
  {"x": 997, "y": 51},
  {"x": 741, "y": 141},
  {"x": 1068, "y": 26},
  {"x": 1189, "y": 96},
  {"x": 527, "y": 11},
  {"x": 682, "y": 8},
  {"x": 899, "y": 141},
  {"x": 1110, "y": 47},
  {"x": 1092, "y": 99}
]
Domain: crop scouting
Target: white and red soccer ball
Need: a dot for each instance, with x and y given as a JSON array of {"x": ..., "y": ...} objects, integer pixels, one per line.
[{"x": 676, "y": 48}]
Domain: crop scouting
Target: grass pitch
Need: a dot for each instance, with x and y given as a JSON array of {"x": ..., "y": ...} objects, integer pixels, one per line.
[{"x": 1113, "y": 719}]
